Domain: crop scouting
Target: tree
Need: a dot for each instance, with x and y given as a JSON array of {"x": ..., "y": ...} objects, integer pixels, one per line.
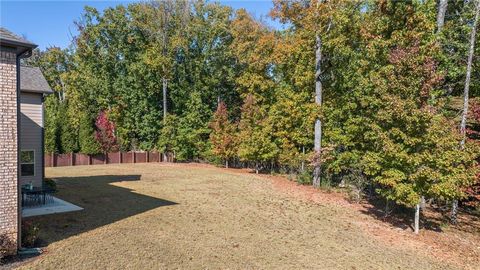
[
  {"x": 86, "y": 136},
  {"x": 318, "y": 101},
  {"x": 168, "y": 138},
  {"x": 206, "y": 64},
  {"x": 455, "y": 48},
  {"x": 385, "y": 72},
  {"x": 192, "y": 130},
  {"x": 442, "y": 9},
  {"x": 255, "y": 141},
  {"x": 253, "y": 47},
  {"x": 466, "y": 90},
  {"x": 68, "y": 135},
  {"x": 466, "y": 93},
  {"x": 292, "y": 116},
  {"x": 163, "y": 22},
  {"x": 222, "y": 136},
  {"x": 105, "y": 133},
  {"x": 51, "y": 125}
]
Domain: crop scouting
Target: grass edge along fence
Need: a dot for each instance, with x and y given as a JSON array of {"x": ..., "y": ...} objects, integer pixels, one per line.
[{"x": 77, "y": 159}]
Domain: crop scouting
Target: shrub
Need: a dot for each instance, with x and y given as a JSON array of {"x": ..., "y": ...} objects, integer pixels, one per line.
[
  {"x": 355, "y": 182},
  {"x": 304, "y": 178},
  {"x": 105, "y": 133},
  {"x": 50, "y": 184},
  {"x": 30, "y": 232},
  {"x": 6, "y": 245}
]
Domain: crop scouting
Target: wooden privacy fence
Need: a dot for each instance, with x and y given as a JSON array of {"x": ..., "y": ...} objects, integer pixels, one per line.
[{"x": 76, "y": 159}]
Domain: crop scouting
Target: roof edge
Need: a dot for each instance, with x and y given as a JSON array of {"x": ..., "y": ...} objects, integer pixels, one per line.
[
  {"x": 48, "y": 92},
  {"x": 10, "y": 42},
  {"x": 22, "y": 49}
]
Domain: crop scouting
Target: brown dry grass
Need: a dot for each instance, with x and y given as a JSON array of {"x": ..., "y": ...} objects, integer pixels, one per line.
[{"x": 187, "y": 216}]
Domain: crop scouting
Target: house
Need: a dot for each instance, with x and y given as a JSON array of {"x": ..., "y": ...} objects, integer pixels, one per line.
[
  {"x": 33, "y": 89},
  {"x": 21, "y": 129}
]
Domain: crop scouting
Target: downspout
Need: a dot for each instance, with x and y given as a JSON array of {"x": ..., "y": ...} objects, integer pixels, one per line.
[{"x": 42, "y": 161}]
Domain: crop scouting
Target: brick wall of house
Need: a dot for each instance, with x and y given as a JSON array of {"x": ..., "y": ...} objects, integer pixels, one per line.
[{"x": 8, "y": 146}]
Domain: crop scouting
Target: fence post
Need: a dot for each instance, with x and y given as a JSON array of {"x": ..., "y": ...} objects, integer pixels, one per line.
[
  {"x": 71, "y": 159},
  {"x": 148, "y": 154},
  {"x": 89, "y": 159},
  {"x": 53, "y": 159},
  {"x": 120, "y": 157},
  {"x": 133, "y": 158},
  {"x": 105, "y": 161}
]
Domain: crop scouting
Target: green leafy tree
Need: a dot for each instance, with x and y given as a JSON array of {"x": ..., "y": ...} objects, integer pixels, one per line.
[
  {"x": 88, "y": 143},
  {"x": 68, "y": 135},
  {"x": 255, "y": 140},
  {"x": 193, "y": 131},
  {"x": 51, "y": 126},
  {"x": 167, "y": 139},
  {"x": 292, "y": 117}
]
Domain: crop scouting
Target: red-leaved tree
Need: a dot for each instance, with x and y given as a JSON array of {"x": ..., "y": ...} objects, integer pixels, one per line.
[{"x": 105, "y": 133}]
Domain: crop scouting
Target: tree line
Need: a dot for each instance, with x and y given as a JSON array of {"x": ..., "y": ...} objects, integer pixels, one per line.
[{"x": 363, "y": 93}]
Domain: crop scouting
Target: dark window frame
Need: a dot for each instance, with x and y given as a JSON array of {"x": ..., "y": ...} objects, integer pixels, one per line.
[{"x": 27, "y": 163}]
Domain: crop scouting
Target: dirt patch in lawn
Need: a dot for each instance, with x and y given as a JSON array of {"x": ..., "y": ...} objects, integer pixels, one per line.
[{"x": 189, "y": 216}]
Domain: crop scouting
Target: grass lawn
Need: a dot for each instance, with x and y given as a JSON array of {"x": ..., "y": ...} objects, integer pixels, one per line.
[{"x": 187, "y": 216}]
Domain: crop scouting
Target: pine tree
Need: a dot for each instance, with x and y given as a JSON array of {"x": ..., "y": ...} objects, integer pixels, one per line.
[
  {"x": 86, "y": 136},
  {"x": 51, "y": 125},
  {"x": 68, "y": 135}
]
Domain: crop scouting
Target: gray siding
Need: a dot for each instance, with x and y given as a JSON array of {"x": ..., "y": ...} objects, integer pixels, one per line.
[{"x": 31, "y": 129}]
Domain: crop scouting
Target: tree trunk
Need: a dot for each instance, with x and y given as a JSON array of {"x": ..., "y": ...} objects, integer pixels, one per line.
[
  {"x": 471, "y": 51},
  {"x": 453, "y": 218},
  {"x": 164, "y": 99},
  {"x": 422, "y": 203},
  {"x": 442, "y": 9},
  {"x": 387, "y": 208},
  {"x": 466, "y": 91},
  {"x": 303, "y": 159},
  {"x": 318, "y": 122},
  {"x": 417, "y": 218}
]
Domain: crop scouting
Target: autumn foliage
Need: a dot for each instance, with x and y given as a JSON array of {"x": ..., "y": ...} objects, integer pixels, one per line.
[
  {"x": 223, "y": 135},
  {"x": 105, "y": 133},
  {"x": 387, "y": 78}
]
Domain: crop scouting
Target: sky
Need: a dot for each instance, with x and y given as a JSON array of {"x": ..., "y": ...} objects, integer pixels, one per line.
[{"x": 51, "y": 23}]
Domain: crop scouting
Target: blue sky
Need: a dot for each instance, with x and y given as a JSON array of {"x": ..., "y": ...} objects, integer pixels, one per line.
[{"x": 50, "y": 23}]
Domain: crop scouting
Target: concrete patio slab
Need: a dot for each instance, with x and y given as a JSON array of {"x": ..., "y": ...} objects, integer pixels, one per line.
[{"x": 57, "y": 206}]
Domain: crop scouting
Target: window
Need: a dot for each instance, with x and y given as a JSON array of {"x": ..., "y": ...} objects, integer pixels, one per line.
[{"x": 27, "y": 163}]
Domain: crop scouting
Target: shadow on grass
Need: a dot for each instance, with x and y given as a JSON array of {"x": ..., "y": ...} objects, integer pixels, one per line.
[
  {"x": 434, "y": 218},
  {"x": 398, "y": 216},
  {"x": 103, "y": 204}
]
